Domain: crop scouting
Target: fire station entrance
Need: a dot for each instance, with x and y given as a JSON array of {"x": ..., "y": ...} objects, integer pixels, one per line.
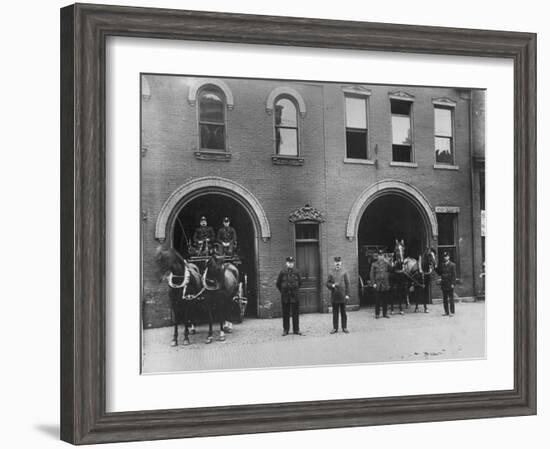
[
  {"x": 388, "y": 217},
  {"x": 216, "y": 206}
]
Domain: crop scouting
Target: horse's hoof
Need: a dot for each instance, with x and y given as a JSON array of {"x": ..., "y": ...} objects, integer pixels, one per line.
[
  {"x": 186, "y": 342},
  {"x": 221, "y": 338},
  {"x": 208, "y": 340},
  {"x": 174, "y": 343}
]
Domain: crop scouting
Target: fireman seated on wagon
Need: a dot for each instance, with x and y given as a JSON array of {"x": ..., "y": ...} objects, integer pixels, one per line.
[
  {"x": 203, "y": 239},
  {"x": 227, "y": 238}
]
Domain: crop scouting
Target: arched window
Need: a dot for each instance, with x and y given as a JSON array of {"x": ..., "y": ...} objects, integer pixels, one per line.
[
  {"x": 212, "y": 119},
  {"x": 286, "y": 127}
]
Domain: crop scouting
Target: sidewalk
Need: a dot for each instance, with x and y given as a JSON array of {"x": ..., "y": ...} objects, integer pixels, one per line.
[{"x": 257, "y": 343}]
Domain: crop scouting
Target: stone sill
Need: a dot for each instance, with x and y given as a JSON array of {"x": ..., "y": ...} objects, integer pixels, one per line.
[
  {"x": 403, "y": 164},
  {"x": 349, "y": 160},
  {"x": 212, "y": 155},
  {"x": 445, "y": 167},
  {"x": 287, "y": 160}
]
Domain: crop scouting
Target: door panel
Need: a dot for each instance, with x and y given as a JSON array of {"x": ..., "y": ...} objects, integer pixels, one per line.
[{"x": 307, "y": 262}]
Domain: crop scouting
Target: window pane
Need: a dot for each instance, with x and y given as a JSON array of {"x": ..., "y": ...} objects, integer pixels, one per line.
[
  {"x": 400, "y": 107},
  {"x": 443, "y": 154},
  {"x": 356, "y": 144},
  {"x": 446, "y": 229},
  {"x": 285, "y": 113},
  {"x": 307, "y": 231},
  {"x": 401, "y": 128},
  {"x": 211, "y": 107},
  {"x": 213, "y": 137},
  {"x": 356, "y": 113},
  {"x": 401, "y": 153},
  {"x": 443, "y": 122},
  {"x": 287, "y": 141}
]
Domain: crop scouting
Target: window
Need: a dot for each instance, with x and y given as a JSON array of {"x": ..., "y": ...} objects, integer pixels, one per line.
[
  {"x": 447, "y": 237},
  {"x": 212, "y": 119},
  {"x": 443, "y": 124},
  {"x": 286, "y": 127},
  {"x": 356, "y": 128},
  {"x": 402, "y": 139}
]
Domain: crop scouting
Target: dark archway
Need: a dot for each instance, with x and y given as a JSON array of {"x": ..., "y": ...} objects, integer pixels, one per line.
[
  {"x": 386, "y": 218},
  {"x": 215, "y": 206}
]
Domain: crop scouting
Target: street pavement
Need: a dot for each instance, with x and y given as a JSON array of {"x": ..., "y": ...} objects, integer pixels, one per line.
[{"x": 258, "y": 343}]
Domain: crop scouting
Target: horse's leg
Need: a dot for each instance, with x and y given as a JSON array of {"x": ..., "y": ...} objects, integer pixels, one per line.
[
  {"x": 175, "y": 319},
  {"x": 209, "y": 310},
  {"x": 186, "y": 328},
  {"x": 221, "y": 317}
]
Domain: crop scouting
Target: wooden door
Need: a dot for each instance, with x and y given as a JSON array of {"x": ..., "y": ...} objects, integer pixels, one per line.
[{"x": 308, "y": 263}]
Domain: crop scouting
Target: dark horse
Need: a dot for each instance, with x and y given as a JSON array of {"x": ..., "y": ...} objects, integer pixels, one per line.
[
  {"x": 221, "y": 281},
  {"x": 409, "y": 274},
  {"x": 185, "y": 284}
]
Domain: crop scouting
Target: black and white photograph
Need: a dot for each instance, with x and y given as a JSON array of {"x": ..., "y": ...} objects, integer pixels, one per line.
[{"x": 303, "y": 223}]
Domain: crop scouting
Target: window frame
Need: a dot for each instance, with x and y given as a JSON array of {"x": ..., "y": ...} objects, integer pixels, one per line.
[
  {"x": 218, "y": 91},
  {"x": 294, "y": 101},
  {"x": 405, "y": 98},
  {"x": 456, "y": 245},
  {"x": 451, "y": 108},
  {"x": 366, "y": 97}
]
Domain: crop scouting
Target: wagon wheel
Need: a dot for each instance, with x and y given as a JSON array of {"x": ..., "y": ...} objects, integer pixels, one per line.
[{"x": 241, "y": 298}]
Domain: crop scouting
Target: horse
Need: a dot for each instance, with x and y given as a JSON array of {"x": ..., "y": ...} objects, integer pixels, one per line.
[
  {"x": 221, "y": 282},
  {"x": 420, "y": 274},
  {"x": 399, "y": 282},
  {"x": 185, "y": 284}
]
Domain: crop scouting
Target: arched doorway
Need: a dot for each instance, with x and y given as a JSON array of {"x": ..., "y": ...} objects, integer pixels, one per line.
[
  {"x": 385, "y": 211},
  {"x": 385, "y": 219},
  {"x": 216, "y": 206},
  {"x": 217, "y": 197}
]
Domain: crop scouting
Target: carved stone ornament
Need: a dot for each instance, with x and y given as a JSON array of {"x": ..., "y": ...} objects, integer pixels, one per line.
[{"x": 306, "y": 213}]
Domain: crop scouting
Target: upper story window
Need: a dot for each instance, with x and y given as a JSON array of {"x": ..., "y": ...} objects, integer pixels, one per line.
[
  {"x": 212, "y": 119},
  {"x": 286, "y": 127},
  {"x": 356, "y": 127},
  {"x": 402, "y": 135},
  {"x": 443, "y": 125}
]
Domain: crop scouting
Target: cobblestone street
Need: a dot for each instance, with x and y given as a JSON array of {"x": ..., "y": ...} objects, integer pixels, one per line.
[{"x": 258, "y": 343}]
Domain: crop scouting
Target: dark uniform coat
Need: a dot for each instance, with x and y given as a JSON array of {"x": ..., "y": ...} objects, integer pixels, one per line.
[
  {"x": 202, "y": 233},
  {"x": 380, "y": 275},
  {"x": 227, "y": 235},
  {"x": 288, "y": 283},
  {"x": 447, "y": 271},
  {"x": 338, "y": 284}
]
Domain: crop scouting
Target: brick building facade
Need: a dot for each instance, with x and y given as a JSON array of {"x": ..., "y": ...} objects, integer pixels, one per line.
[{"x": 313, "y": 170}]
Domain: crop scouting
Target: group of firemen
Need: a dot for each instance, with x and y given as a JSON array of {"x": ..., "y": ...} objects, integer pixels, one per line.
[
  {"x": 289, "y": 282},
  {"x": 224, "y": 242}
]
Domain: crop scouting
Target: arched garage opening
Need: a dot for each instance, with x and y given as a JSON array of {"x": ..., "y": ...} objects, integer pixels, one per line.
[
  {"x": 385, "y": 211},
  {"x": 387, "y": 218},
  {"x": 216, "y": 206}
]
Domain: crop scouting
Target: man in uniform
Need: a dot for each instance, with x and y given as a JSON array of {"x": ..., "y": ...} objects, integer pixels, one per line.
[
  {"x": 380, "y": 281},
  {"x": 203, "y": 238},
  {"x": 338, "y": 284},
  {"x": 227, "y": 238},
  {"x": 288, "y": 283},
  {"x": 447, "y": 271}
]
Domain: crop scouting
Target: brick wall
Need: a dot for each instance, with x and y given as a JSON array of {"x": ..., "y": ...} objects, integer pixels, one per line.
[{"x": 170, "y": 135}]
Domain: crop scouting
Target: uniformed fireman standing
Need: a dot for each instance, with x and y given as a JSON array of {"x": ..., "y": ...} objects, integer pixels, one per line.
[
  {"x": 380, "y": 281},
  {"x": 288, "y": 283},
  {"x": 227, "y": 238},
  {"x": 447, "y": 271},
  {"x": 338, "y": 284},
  {"x": 203, "y": 238}
]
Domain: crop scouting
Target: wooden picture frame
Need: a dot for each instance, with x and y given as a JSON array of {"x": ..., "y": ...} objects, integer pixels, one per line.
[{"x": 84, "y": 29}]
